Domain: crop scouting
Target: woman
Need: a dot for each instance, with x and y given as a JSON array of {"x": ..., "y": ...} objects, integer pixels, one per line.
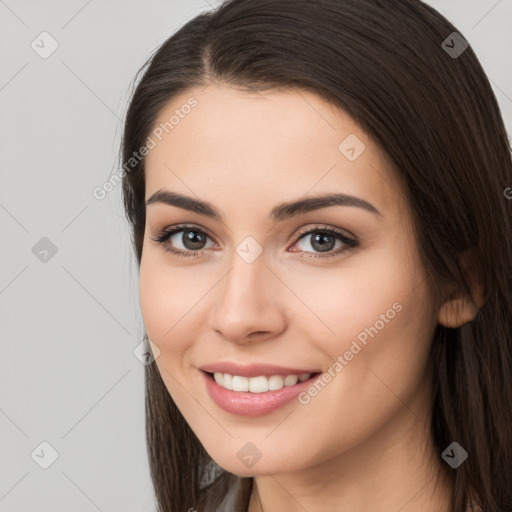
[{"x": 316, "y": 192}]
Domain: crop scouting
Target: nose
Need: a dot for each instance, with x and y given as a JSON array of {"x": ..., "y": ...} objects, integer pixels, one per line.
[{"x": 249, "y": 303}]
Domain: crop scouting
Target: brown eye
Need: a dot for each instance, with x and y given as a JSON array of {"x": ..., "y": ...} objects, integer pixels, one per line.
[
  {"x": 192, "y": 240},
  {"x": 183, "y": 241},
  {"x": 324, "y": 240}
]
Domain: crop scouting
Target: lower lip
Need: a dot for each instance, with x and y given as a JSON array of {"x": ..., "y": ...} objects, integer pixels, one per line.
[{"x": 252, "y": 404}]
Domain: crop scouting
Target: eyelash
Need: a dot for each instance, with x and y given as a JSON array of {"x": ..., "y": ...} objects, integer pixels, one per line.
[{"x": 165, "y": 234}]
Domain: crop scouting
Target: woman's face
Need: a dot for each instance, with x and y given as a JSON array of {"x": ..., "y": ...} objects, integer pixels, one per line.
[{"x": 255, "y": 295}]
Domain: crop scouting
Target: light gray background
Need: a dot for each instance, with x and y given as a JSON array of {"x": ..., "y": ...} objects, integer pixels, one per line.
[{"x": 69, "y": 325}]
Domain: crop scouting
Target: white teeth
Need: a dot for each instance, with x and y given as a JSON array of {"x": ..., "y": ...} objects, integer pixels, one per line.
[
  {"x": 228, "y": 381},
  {"x": 259, "y": 384},
  {"x": 240, "y": 383},
  {"x": 275, "y": 382},
  {"x": 291, "y": 380}
]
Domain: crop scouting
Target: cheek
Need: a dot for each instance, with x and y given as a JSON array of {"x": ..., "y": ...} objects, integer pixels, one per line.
[
  {"x": 353, "y": 296},
  {"x": 151, "y": 287},
  {"x": 169, "y": 299},
  {"x": 384, "y": 336},
  {"x": 382, "y": 372},
  {"x": 377, "y": 314},
  {"x": 159, "y": 298}
]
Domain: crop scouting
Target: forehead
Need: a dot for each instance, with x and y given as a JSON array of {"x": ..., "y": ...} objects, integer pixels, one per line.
[{"x": 222, "y": 143}]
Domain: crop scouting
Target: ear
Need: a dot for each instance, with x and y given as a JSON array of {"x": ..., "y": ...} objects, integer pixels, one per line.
[{"x": 459, "y": 309}]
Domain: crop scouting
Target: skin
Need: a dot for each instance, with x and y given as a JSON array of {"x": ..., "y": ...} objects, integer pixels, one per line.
[{"x": 362, "y": 443}]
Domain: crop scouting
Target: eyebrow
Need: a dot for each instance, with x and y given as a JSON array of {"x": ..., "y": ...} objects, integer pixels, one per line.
[{"x": 279, "y": 213}]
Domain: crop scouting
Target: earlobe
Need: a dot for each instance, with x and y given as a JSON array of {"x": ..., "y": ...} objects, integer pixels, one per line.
[
  {"x": 455, "y": 312},
  {"x": 458, "y": 310}
]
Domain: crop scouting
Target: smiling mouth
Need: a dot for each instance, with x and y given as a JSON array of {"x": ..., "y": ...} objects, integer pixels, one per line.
[{"x": 259, "y": 384}]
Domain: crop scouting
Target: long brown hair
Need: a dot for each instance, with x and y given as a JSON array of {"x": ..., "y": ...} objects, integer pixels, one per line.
[{"x": 386, "y": 63}]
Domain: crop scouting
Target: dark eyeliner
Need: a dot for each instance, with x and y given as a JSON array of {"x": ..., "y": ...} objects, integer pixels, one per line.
[{"x": 350, "y": 243}]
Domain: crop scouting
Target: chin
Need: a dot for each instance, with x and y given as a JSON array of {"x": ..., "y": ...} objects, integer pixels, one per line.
[{"x": 260, "y": 468}]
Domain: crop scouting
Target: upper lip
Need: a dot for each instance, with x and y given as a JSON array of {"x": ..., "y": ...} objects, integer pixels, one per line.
[{"x": 253, "y": 369}]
